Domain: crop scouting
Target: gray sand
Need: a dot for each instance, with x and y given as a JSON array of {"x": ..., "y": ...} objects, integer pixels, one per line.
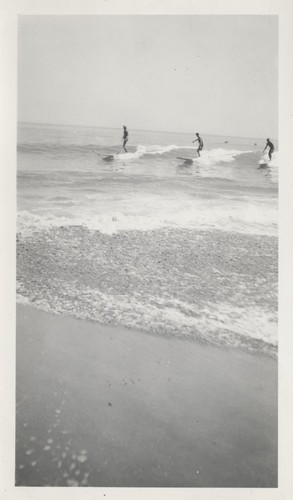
[
  {"x": 101, "y": 406},
  {"x": 214, "y": 286}
]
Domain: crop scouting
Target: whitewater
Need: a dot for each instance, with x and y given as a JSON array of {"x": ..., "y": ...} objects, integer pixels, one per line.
[{"x": 157, "y": 238}]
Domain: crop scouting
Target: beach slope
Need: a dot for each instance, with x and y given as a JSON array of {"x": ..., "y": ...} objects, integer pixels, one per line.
[{"x": 103, "y": 406}]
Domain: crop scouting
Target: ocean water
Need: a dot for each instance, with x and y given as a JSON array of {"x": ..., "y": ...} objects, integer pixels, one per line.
[{"x": 154, "y": 239}]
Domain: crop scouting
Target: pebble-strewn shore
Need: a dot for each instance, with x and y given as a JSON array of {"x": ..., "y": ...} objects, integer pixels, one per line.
[{"x": 219, "y": 287}]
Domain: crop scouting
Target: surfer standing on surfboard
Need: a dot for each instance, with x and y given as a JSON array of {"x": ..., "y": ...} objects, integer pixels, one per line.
[
  {"x": 125, "y": 137},
  {"x": 200, "y": 143},
  {"x": 271, "y": 148}
]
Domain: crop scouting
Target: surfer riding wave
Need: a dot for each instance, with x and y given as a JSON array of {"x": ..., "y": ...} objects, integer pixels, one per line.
[
  {"x": 125, "y": 137},
  {"x": 200, "y": 143}
]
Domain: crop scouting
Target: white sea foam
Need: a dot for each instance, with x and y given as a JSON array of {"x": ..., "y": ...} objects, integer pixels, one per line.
[
  {"x": 208, "y": 157},
  {"x": 275, "y": 159},
  {"x": 218, "y": 155},
  {"x": 272, "y": 165},
  {"x": 250, "y": 219},
  {"x": 228, "y": 193},
  {"x": 21, "y": 299},
  {"x": 125, "y": 207},
  {"x": 216, "y": 322},
  {"x": 150, "y": 150}
]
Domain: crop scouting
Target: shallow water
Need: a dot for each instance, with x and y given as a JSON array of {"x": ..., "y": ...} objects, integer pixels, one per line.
[{"x": 182, "y": 247}]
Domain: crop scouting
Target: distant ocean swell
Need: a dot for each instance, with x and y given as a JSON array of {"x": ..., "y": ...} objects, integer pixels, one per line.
[
  {"x": 208, "y": 156},
  {"x": 86, "y": 153},
  {"x": 216, "y": 287},
  {"x": 156, "y": 239}
]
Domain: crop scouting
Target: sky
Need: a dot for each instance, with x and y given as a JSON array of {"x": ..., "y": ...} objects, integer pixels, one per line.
[{"x": 207, "y": 74}]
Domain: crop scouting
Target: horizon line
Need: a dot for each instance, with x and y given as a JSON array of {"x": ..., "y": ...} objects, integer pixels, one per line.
[{"x": 139, "y": 129}]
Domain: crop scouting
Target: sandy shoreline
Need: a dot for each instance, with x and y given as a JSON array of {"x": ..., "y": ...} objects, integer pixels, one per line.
[
  {"x": 102, "y": 406},
  {"x": 214, "y": 286}
]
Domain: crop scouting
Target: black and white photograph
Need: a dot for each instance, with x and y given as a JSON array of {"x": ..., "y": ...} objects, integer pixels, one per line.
[
  {"x": 147, "y": 272},
  {"x": 147, "y": 193}
]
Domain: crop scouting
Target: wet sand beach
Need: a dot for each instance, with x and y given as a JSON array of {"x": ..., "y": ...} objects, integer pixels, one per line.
[
  {"x": 147, "y": 253},
  {"x": 215, "y": 286},
  {"x": 105, "y": 406},
  {"x": 147, "y": 319}
]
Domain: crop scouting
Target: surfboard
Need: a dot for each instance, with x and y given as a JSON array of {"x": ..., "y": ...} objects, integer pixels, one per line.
[
  {"x": 184, "y": 159},
  {"x": 108, "y": 158},
  {"x": 263, "y": 163},
  {"x": 118, "y": 156}
]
